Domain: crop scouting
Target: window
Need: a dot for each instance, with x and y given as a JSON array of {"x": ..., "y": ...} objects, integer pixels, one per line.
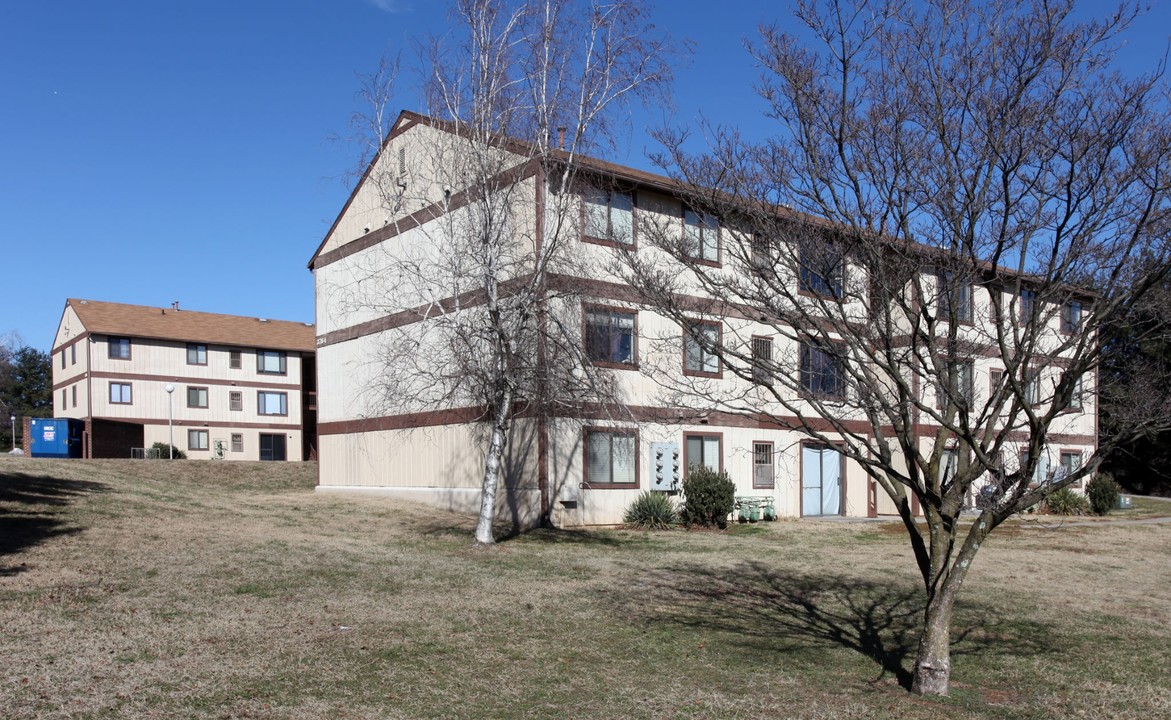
[
  {"x": 234, "y": 359},
  {"x": 949, "y": 462},
  {"x": 1071, "y": 462},
  {"x": 62, "y": 359},
  {"x": 611, "y": 458},
  {"x": 609, "y": 336},
  {"x": 1028, "y": 304},
  {"x": 272, "y": 403},
  {"x": 64, "y": 400},
  {"x": 235, "y": 401},
  {"x": 701, "y": 236},
  {"x": 119, "y": 348},
  {"x": 120, "y": 393},
  {"x": 1071, "y": 317},
  {"x": 762, "y": 360},
  {"x": 196, "y": 354},
  {"x": 237, "y": 442},
  {"x": 821, "y": 268},
  {"x": 1075, "y": 396},
  {"x": 73, "y": 394},
  {"x": 270, "y": 362},
  {"x": 72, "y": 354},
  {"x": 763, "y": 473},
  {"x": 821, "y": 373},
  {"x": 700, "y": 339},
  {"x": 609, "y": 216},
  {"x": 197, "y": 439},
  {"x": 196, "y": 397},
  {"x": 1033, "y": 388},
  {"x": 703, "y": 449},
  {"x": 995, "y": 380},
  {"x": 961, "y": 385},
  {"x": 762, "y": 252},
  {"x": 955, "y": 298}
]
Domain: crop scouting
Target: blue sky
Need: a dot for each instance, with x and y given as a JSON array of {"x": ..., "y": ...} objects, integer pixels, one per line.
[{"x": 158, "y": 151}]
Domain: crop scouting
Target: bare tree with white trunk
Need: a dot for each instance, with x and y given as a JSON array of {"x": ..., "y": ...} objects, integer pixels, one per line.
[
  {"x": 915, "y": 267},
  {"x": 521, "y": 91}
]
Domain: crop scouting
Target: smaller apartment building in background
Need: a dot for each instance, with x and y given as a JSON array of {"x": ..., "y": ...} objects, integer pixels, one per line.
[{"x": 242, "y": 388}]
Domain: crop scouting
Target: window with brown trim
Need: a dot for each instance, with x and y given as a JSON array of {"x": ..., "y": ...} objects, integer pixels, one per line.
[
  {"x": 1075, "y": 397},
  {"x": 270, "y": 362},
  {"x": 237, "y": 442},
  {"x": 703, "y": 449},
  {"x": 1071, "y": 317},
  {"x": 236, "y": 401},
  {"x": 64, "y": 399},
  {"x": 1028, "y": 304},
  {"x": 1071, "y": 462},
  {"x": 821, "y": 268},
  {"x": 272, "y": 403},
  {"x": 62, "y": 359},
  {"x": 197, "y": 439},
  {"x": 954, "y": 298},
  {"x": 196, "y": 397},
  {"x": 701, "y": 338},
  {"x": 701, "y": 236},
  {"x": 1033, "y": 388},
  {"x": 608, "y": 217},
  {"x": 610, "y": 336},
  {"x": 610, "y": 459},
  {"x": 119, "y": 348},
  {"x": 763, "y": 466},
  {"x": 821, "y": 373},
  {"x": 73, "y": 354},
  {"x": 995, "y": 380},
  {"x": 762, "y": 360},
  {"x": 962, "y": 385},
  {"x": 121, "y": 393},
  {"x": 196, "y": 354},
  {"x": 73, "y": 393},
  {"x": 234, "y": 360}
]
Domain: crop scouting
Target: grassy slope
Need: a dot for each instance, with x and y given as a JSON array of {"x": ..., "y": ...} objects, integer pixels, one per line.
[{"x": 197, "y": 589}]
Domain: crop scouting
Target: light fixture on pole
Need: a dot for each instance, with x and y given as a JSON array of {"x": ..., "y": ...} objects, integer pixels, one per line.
[
  {"x": 13, "y": 419},
  {"x": 170, "y": 430}
]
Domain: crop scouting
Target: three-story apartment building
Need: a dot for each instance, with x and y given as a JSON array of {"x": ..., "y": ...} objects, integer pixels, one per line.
[
  {"x": 219, "y": 386},
  {"x": 586, "y": 464}
]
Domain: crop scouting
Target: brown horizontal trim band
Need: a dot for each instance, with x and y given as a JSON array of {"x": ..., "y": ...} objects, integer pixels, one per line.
[
  {"x": 239, "y": 384},
  {"x": 469, "y": 299},
  {"x": 201, "y": 424},
  {"x": 72, "y": 380},
  {"x": 65, "y": 345},
  {"x": 641, "y": 414},
  {"x": 516, "y": 174}
]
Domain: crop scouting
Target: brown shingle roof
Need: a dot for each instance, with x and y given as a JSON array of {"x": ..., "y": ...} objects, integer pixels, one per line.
[{"x": 143, "y": 321}]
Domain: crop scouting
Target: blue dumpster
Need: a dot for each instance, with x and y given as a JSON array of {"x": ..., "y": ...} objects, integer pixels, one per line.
[{"x": 56, "y": 437}]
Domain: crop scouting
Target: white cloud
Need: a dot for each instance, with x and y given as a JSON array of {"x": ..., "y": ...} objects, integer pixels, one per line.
[{"x": 391, "y": 6}]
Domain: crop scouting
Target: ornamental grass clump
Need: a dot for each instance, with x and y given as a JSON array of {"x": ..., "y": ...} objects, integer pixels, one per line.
[
  {"x": 1067, "y": 502},
  {"x": 708, "y": 497},
  {"x": 651, "y": 511}
]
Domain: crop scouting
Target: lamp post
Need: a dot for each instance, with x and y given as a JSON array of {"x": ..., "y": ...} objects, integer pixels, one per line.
[
  {"x": 13, "y": 419},
  {"x": 170, "y": 429}
]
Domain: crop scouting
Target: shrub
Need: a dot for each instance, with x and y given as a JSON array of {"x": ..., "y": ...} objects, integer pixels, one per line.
[
  {"x": 1067, "y": 502},
  {"x": 164, "y": 453},
  {"x": 651, "y": 511},
  {"x": 708, "y": 497},
  {"x": 1103, "y": 494}
]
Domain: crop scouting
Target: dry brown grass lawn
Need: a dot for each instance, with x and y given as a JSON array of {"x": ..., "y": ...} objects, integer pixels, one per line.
[{"x": 194, "y": 589}]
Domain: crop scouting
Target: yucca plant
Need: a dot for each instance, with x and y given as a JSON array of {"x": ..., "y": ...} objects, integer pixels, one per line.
[
  {"x": 1067, "y": 502},
  {"x": 651, "y": 511}
]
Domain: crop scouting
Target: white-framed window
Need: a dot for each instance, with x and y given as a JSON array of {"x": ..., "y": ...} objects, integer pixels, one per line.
[
  {"x": 270, "y": 362},
  {"x": 120, "y": 393},
  {"x": 237, "y": 442},
  {"x": 272, "y": 403},
  {"x": 609, "y": 216}
]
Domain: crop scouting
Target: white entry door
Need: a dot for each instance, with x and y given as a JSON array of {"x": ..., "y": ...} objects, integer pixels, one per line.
[{"x": 821, "y": 480}]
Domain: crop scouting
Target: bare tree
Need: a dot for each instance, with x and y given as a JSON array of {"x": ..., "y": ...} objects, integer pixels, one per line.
[
  {"x": 517, "y": 91},
  {"x": 954, "y": 191}
]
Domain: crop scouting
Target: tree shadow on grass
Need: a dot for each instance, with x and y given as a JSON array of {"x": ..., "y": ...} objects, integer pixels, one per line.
[
  {"x": 32, "y": 511},
  {"x": 763, "y": 608}
]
